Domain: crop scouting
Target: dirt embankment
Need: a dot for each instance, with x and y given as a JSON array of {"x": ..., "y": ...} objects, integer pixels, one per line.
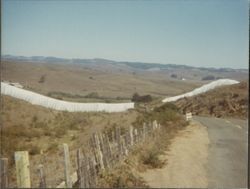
[
  {"x": 226, "y": 101},
  {"x": 186, "y": 161}
]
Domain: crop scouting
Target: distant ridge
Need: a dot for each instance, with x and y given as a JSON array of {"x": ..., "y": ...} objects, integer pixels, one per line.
[{"x": 135, "y": 65}]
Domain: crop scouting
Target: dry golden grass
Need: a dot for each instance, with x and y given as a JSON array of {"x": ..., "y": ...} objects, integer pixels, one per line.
[
  {"x": 37, "y": 129},
  {"x": 121, "y": 176}
]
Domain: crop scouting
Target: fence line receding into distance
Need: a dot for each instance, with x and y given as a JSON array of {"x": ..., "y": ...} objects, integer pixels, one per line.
[{"x": 103, "y": 152}]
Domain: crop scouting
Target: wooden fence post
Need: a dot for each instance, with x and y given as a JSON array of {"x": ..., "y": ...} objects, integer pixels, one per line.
[
  {"x": 86, "y": 174},
  {"x": 94, "y": 173},
  {"x": 108, "y": 150},
  {"x": 144, "y": 131},
  {"x": 136, "y": 136},
  {"x": 118, "y": 140},
  {"x": 104, "y": 149},
  {"x": 99, "y": 152},
  {"x": 80, "y": 170},
  {"x": 127, "y": 139},
  {"x": 4, "y": 173},
  {"x": 131, "y": 129},
  {"x": 22, "y": 169},
  {"x": 113, "y": 137},
  {"x": 109, "y": 147},
  {"x": 42, "y": 177},
  {"x": 93, "y": 145},
  {"x": 140, "y": 134},
  {"x": 124, "y": 148},
  {"x": 154, "y": 124},
  {"x": 148, "y": 128},
  {"x": 68, "y": 182},
  {"x": 151, "y": 127}
]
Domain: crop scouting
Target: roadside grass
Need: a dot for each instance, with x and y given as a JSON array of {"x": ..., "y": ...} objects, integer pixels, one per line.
[
  {"x": 150, "y": 157},
  {"x": 121, "y": 176}
]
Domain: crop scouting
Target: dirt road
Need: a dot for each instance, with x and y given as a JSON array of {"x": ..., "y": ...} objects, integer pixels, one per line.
[
  {"x": 186, "y": 161},
  {"x": 210, "y": 152}
]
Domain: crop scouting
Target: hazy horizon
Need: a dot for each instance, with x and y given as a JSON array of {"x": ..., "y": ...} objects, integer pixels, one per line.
[
  {"x": 123, "y": 61},
  {"x": 193, "y": 33}
]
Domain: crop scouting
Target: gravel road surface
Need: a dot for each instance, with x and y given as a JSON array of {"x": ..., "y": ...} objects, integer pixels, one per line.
[{"x": 227, "y": 152}]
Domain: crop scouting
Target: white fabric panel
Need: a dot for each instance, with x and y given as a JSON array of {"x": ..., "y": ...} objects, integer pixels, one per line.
[
  {"x": 37, "y": 99},
  {"x": 202, "y": 89}
]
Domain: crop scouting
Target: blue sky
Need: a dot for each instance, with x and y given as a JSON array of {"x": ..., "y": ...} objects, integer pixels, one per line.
[{"x": 193, "y": 32}]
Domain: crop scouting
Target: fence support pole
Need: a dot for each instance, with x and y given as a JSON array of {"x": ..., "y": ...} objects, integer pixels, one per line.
[
  {"x": 131, "y": 129},
  {"x": 42, "y": 183},
  {"x": 99, "y": 151},
  {"x": 136, "y": 136},
  {"x": 80, "y": 175},
  {"x": 4, "y": 172},
  {"x": 22, "y": 169},
  {"x": 144, "y": 131},
  {"x": 67, "y": 166}
]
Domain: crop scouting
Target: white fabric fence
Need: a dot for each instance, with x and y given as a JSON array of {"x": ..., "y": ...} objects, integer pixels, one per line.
[
  {"x": 202, "y": 89},
  {"x": 37, "y": 99}
]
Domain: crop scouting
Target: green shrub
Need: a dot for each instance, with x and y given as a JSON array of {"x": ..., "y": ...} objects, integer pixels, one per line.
[
  {"x": 163, "y": 114},
  {"x": 173, "y": 75},
  {"x": 167, "y": 106},
  {"x": 150, "y": 157}
]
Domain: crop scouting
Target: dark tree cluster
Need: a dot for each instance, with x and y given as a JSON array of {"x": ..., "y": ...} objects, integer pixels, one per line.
[
  {"x": 209, "y": 77},
  {"x": 145, "y": 98},
  {"x": 42, "y": 79},
  {"x": 173, "y": 75}
]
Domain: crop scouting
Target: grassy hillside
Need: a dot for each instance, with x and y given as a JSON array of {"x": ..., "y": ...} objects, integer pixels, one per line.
[{"x": 77, "y": 81}]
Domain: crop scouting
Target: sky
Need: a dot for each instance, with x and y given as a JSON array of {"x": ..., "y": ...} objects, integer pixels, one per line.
[{"x": 207, "y": 33}]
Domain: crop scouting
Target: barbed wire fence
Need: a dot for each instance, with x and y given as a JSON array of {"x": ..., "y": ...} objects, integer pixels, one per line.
[{"x": 78, "y": 167}]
